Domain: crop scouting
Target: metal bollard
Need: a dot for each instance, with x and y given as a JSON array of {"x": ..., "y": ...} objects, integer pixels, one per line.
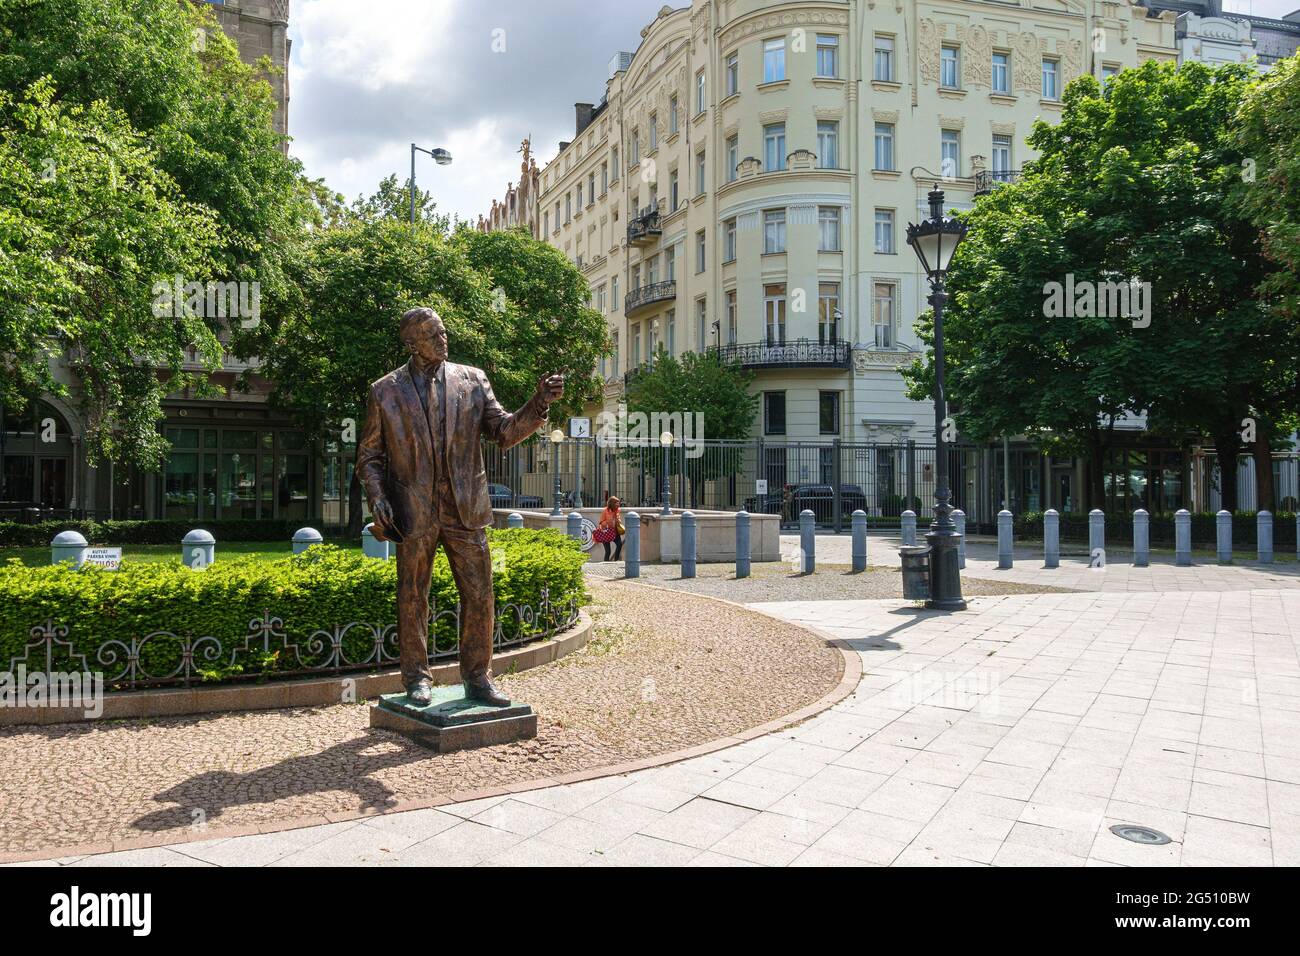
[
  {"x": 907, "y": 527},
  {"x": 1223, "y": 536},
  {"x": 198, "y": 549},
  {"x": 371, "y": 546},
  {"x": 688, "y": 544},
  {"x": 1141, "y": 538},
  {"x": 959, "y": 519},
  {"x": 1264, "y": 537},
  {"x": 514, "y": 520},
  {"x": 808, "y": 541},
  {"x": 742, "y": 544},
  {"x": 304, "y": 538},
  {"x": 68, "y": 546},
  {"x": 632, "y": 545},
  {"x": 1096, "y": 537},
  {"x": 1183, "y": 538},
  {"x": 573, "y": 525},
  {"x": 1051, "y": 538},
  {"x": 1004, "y": 540},
  {"x": 859, "y": 546}
]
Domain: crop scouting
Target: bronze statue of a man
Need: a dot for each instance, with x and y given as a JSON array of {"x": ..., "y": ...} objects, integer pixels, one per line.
[{"x": 421, "y": 463}]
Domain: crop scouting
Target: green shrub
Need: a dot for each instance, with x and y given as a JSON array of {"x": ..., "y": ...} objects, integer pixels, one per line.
[{"x": 319, "y": 590}]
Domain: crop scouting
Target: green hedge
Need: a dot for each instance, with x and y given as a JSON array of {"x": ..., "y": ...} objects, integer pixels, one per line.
[
  {"x": 162, "y": 531},
  {"x": 317, "y": 590},
  {"x": 1119, "y": 528}
]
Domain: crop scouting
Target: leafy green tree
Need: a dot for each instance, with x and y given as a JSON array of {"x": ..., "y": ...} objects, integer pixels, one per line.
[
  {"x": 697, "y": 383},
  {"x": 87, "y": 224},
  {"x": 1133, "y": 185}
]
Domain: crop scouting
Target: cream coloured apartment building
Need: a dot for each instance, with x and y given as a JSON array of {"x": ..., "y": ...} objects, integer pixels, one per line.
[{"x": 747, "y": 180}]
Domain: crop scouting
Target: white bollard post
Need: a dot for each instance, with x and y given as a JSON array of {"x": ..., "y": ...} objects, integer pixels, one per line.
[
  {"x": 1051, "y": 538},
  {"x": 1264, "y": 537},
  {"x": 304, "y": 538},
  {"x": 1096, "y": 538},
  {"x": 1183, "y": 538},
  {"x": 514, "y": 520},
  {"x": 68, "y": 546},
  {"x": 198, "y": 549},
  {"x": 1005, "y": 560},
  {"x": 858, "y": 546},
  {"x": 907, "y": 527},
  {"x": 1223, "y": 536},
  {"x": 1141, "y": 538}
]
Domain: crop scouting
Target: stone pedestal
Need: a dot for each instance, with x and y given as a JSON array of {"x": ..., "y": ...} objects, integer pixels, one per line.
[{"x": 450, "y": 722}]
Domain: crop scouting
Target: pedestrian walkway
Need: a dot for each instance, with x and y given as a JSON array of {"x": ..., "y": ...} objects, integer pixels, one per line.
[{"x": 1017, "y": 733}]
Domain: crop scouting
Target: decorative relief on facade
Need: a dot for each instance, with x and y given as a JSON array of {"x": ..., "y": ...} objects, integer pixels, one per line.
[
  {"x": 1027, "y": 65},
  {"x": 952, "y": 122},
  {"x": 977, "y": 56},
  {"x": 1071, "y": 54},
  {"x": 929, "y": 35},
  {"x": 865, "y": 359},
  {"x": 885, "y": 116},
  {"x": 519, "y": 207},
  {"x": 1003, "y": 129},
  {"x": 780, "y": 21},
  {"x": 802, "y": 214}
]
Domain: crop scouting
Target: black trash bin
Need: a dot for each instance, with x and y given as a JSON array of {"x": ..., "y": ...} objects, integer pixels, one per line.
[{"x": 916, "y": 571}]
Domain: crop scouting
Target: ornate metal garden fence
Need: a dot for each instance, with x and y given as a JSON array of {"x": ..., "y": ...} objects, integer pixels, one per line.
[{"x": 267, "y": 652}]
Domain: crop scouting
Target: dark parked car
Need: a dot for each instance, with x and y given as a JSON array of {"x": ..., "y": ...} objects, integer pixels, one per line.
[
  {"x": 819, "y": 499},
  {"x": 502, "y": 497}
]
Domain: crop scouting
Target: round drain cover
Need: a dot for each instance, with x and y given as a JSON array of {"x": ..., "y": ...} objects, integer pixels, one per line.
[{"x": 1136, "y": 834}]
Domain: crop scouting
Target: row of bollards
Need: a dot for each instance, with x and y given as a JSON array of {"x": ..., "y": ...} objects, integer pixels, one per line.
[
  {"x": 198, "y": 547},
  {"x": 1141, "y": 538}
]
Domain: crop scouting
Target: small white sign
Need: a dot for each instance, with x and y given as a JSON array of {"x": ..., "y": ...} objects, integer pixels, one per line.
[
  {"x": 110, "y": 558},
  {"x": 579, "y": 427},
  {"x": 760, "y": 486}
]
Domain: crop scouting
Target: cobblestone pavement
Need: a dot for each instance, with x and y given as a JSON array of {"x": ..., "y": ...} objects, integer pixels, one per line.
[
  {"x": 663, "y": 672},
  {"x": 1016, "y": 733}
]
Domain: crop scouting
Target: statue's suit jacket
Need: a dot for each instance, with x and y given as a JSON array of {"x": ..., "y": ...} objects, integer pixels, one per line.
[{"x": 395, "y": 454}]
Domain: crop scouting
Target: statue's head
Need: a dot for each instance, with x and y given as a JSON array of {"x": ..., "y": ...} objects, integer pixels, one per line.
[{"x": 424, "y": 335}]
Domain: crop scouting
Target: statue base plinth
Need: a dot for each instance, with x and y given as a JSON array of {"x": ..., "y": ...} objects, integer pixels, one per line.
[{"x": 450, "y": 722}]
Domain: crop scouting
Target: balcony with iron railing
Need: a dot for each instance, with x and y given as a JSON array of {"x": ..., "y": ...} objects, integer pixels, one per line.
[
  {"x": 647, "y": 295},
  {"x": 986, "y": 180},
  {"x": 644, "y": 228},
  {"x": 798, "y": 353}
]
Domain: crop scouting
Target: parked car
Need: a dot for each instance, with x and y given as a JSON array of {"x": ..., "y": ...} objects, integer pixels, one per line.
[
  {"x": 502, "y": 497},
  {"x": 819, "y": 499}
]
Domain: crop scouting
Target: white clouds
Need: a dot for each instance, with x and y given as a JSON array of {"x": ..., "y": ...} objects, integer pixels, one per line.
[{"x": 376, "y": 43}]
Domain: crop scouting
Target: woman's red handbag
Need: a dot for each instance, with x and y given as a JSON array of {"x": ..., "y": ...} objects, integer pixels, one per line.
[{"x": 602, "y": 535}]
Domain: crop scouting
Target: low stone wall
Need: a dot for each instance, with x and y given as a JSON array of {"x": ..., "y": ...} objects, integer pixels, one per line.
[{"x": 661, "y": 537}]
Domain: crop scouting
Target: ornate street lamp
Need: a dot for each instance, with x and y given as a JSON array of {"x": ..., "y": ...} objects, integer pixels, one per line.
[
  {"x": 934, "y": 241},
  {"x": 666, "y": 439},
  {"x": 440, "y": 156},
  {"x": 556, "y": 436}
]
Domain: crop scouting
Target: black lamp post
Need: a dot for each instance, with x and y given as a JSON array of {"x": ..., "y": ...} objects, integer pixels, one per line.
[
  {"x": 666, "y": 439},
  {"x": 934, "y": 241},
  {"x": 557, "y": 437},
  {"x": 440, "y": 156}
]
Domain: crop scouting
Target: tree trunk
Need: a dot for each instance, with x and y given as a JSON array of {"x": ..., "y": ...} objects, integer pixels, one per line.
[
  {"x": 354, "y": 506},
  {"x": 1227, "y": 446},
  {"x": 1263, "y": 453}
]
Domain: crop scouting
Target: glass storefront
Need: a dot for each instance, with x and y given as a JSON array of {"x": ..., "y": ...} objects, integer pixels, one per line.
[
  {"x": 1143, "y": 478},
  {"x": 35, "y": 459}
]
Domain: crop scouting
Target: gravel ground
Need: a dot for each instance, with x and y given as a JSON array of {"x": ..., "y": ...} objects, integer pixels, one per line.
[
  {"x": 775, "y": 581},
  {"x": 661, "y": 673}
]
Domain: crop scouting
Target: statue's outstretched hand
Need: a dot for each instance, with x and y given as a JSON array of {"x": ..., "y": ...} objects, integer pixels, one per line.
[{"x": 550, "y": 387}]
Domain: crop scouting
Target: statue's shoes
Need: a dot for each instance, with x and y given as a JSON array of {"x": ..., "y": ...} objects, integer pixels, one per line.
[
  {"x": 485, "y": 692},
  {"x": 420, "y": 692}
]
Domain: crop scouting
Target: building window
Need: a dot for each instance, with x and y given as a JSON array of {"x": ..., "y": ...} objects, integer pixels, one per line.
[
  {"x": 614, "y": 356},
  {"x": 731, "y": 317},
  {"x": 634, "y": 334},
  {"x": 557, "y": 215},
  {"x": 729, "y": 241},
  {"x": 670, "y": 264},
  {"x": 579, "y": 195},
  {"x": 699, "y": 251},
  {"x": 701, "y": 318},
  {"x": 774, "y": 413},
  {"x": 700, "y": 101},
  {"x": 774, "y": 314},
  {"x": 950, "y": 153},
  {"x": 546, "y": 222},
  {"x": 1001, "y": 157},
  {"x": 828, "y": 140},
  {"x": 884, "y": 146},
  {"x": 949, "y": 68},
  {"x": 634, "y": 149},
  {"x": 613, "y": 163},
  {"x": 670, "y": 332},
  {"x": 1108, "y": 73},
  {"x": 568, "y": 208},
  {"x": 653, "y": 138},
  {"x": 882, "y": 314},
  {"x": 828, "y": 59},
  {"x": 774, "y": 60},
  {"x": 774, "y": 147},
  {"x": 591, "y": 189},
  {"x": 652, "y": 340},
  {"x": 885, "y": 231},
  {"x": 733, "y": 74},
  {"x": 733, "y": 150},
  {"x": 699, "y": 173},
  {"x": 652, "y": 270},
  {"x": 1050, "y": 89},
  {"x": 1001, "y": 73},
  {"x": 828, "y": 413},
  {"x": 604, "y": 178},
  {"x": 828, "y": 229},
  {"x": 672, "y": 191},
  {"x": 828, "y": 312},
  {"x": 883, "y": 64},
  {"x": 672, "y": 114},
  {"x": 774, "y": 230},
  {"x": 613, "y": 294}
]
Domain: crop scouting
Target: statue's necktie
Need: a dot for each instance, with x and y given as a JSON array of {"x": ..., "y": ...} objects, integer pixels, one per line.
[{"x": 436, "y": 429}]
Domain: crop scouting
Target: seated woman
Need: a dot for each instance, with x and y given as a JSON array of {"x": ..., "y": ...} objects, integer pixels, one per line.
[{"x": 610, "y": 528}]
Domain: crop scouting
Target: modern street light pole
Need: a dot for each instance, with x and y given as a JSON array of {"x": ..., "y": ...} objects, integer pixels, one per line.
[
  {"x": 440, "y": 156},
  {"x": 666, "y": 439},
  {"x": 934, "y": 241},
  {"x": 557, "y": 436}
]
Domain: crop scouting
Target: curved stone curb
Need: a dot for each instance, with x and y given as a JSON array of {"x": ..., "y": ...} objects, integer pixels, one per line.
[
  {"x": 849, "y": 679},
  {"x": 314, "y": 692}
]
